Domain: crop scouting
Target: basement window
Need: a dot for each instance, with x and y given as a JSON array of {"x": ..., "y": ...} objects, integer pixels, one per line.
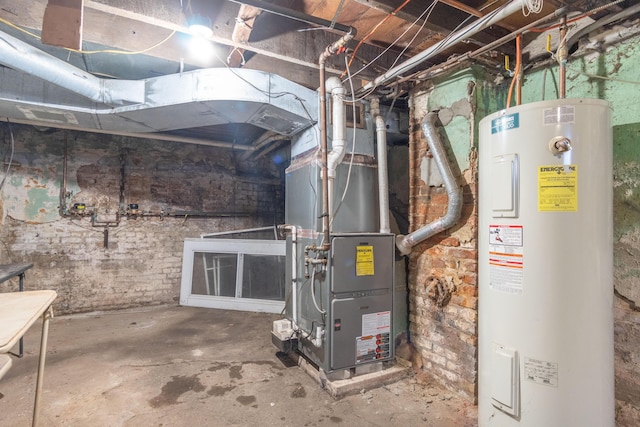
[{"x": 233, "y": 274}]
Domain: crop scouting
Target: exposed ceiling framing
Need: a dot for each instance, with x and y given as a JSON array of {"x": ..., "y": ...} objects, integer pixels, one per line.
[{"x": 151, "y": 37}]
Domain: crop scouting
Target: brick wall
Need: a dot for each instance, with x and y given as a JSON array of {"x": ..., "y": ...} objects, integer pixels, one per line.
[
  {"x": 442, "y": 270},
  {"x": 142, "y": 259}
]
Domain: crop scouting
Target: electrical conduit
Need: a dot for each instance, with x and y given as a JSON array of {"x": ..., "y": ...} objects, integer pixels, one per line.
[{"x": 454, "y": 192}]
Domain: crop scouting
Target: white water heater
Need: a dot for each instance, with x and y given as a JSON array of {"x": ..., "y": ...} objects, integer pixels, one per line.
[{"x": 546, "y": 266}]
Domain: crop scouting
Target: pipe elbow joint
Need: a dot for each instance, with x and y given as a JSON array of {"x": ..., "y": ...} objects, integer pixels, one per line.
[
  {"x": 334, "y": 85},
  {"x": 403, "y": 245}
]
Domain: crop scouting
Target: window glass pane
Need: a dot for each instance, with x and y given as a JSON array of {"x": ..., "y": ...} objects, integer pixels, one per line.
[
  {"x": 214, "y": 274},
  {"x": 263, "y": 277}
]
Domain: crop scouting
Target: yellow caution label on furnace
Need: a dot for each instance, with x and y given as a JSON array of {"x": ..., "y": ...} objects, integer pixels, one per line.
[
  {"x": 364, "y": 260},
  {"x": 558, "y": 188}
]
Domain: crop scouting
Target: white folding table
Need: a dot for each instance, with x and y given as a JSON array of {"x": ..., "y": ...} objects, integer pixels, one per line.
[{"x": 18, "y": 311}]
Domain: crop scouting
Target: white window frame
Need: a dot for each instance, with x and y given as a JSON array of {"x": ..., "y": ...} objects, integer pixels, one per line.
[{"x": 230, "y": 246}]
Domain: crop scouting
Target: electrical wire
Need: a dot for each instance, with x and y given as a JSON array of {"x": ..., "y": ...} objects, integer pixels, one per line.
[
  {"x": 531, "y": 6},
  {"x": 91, "y": 52},
  {"x": 313, "y": 292},
  {"x": 432, "y": 7},
  {"x": 373, "y": 30},
  {"x": 427, "y": 9}
]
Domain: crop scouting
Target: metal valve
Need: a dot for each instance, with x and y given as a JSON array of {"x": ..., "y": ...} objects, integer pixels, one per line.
[{"x": 559, "y": 145}]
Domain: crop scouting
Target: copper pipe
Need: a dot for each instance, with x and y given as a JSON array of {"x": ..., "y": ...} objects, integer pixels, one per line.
[
  {"x": 562, "y": 58},
  {"x": 519, "y": 72}
]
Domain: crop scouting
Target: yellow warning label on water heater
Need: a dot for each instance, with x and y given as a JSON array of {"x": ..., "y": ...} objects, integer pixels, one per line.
[
  {"x": 558, "y": 188},
  {"x": 364, "y": 260}
]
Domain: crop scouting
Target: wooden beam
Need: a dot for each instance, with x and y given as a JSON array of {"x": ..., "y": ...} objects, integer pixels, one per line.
[
  {"x": 62, "y": 24},
  {"x": 241, "y": 32},
  {"x": 271, "y": 53}
]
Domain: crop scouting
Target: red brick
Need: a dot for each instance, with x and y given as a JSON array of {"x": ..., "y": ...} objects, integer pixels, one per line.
[{"x": 450, "y": 241}]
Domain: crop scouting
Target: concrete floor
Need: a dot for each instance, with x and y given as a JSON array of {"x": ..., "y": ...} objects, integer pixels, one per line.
[{"x": 182, "y": 366}]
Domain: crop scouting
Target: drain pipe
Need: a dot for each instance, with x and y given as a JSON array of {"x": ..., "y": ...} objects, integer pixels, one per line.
[
  {"x": 338, "y": 137},
  {"x": 383, "y": 178},
  {"x": 454, "y": 192},
  {"x": 332, "y": 49},
  {"x": 294, "y": 271}
]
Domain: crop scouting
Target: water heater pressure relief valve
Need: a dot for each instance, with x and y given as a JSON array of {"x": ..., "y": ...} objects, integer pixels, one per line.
[{"x": 559, "y": 145}]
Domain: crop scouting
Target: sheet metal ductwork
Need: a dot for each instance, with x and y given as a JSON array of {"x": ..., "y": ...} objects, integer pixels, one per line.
[{"x": 40, "y": 88}]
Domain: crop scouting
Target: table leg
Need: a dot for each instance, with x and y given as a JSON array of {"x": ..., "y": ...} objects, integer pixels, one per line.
[
  {"x": 43, "y": 352},
  {"x": 21, "y": 288}
]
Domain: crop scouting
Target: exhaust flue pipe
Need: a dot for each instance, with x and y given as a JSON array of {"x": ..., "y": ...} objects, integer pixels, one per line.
[
  {"x": 454, "y": 191},
  {"x": 383, "y": 176},
  {"x": 338, "y": 137}
]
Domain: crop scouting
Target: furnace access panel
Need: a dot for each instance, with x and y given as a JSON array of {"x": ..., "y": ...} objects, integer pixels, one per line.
[{"x": 361, "y": 299}]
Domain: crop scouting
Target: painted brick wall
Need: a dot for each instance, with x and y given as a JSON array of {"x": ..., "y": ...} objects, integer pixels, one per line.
[
  {"x": 442, "y": 270},
  {"x": 142, "y": 261}
]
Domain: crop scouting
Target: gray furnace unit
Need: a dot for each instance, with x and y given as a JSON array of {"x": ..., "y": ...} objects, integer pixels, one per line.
[{"x": 361, "y": 300}]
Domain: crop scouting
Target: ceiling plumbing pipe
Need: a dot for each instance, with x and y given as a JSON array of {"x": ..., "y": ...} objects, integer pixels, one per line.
[
  {"x": 383, "y": 178},
  {"x": 454, "y": 192},
  {"x": 456, "y": 60},
  {"x": 466, "y": 32},
  {"x": 338, "y": 137},
  {"x": 21, "y": 56},
  {"x": 625, "y": 13},
  {"x": 332, "y": 49}
]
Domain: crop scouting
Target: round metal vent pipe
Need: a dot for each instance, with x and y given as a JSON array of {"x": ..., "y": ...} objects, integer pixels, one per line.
[{"x": 454, "y": 191}]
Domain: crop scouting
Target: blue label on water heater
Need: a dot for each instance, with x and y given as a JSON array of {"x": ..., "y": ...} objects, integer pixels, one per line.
[{"x": 511, "y": 121}]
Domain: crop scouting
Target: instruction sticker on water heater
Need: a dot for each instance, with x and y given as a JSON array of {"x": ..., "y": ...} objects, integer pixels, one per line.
[
  {"x": 541, "y": 372},
  {"x": 558, "y": 188},
  {"x": 561, "y": 114},
  {"x": 506, "y": 258}
]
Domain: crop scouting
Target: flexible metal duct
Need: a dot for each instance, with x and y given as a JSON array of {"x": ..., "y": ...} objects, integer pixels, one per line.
[
  {"x": 23, "y": 57},
  {"x": 42, "y": 89},
  {"x": 454, "y": 192}
]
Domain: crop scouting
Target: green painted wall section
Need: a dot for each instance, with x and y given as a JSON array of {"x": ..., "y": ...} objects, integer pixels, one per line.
[
  {"x": 618, "y": 83},
  {"x": 454, "y": 94}
]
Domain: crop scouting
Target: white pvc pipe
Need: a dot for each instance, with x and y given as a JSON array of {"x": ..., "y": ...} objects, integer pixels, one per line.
[
  {"x": 383, "y": 178},
  {"x": 468, "y": 31},
  {"x": 339, "y": 134},
  {"x": 294, "y": 275}
]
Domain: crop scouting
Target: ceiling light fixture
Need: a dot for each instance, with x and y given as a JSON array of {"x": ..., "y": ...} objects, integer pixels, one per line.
[{"x": 200, "y": 26}]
